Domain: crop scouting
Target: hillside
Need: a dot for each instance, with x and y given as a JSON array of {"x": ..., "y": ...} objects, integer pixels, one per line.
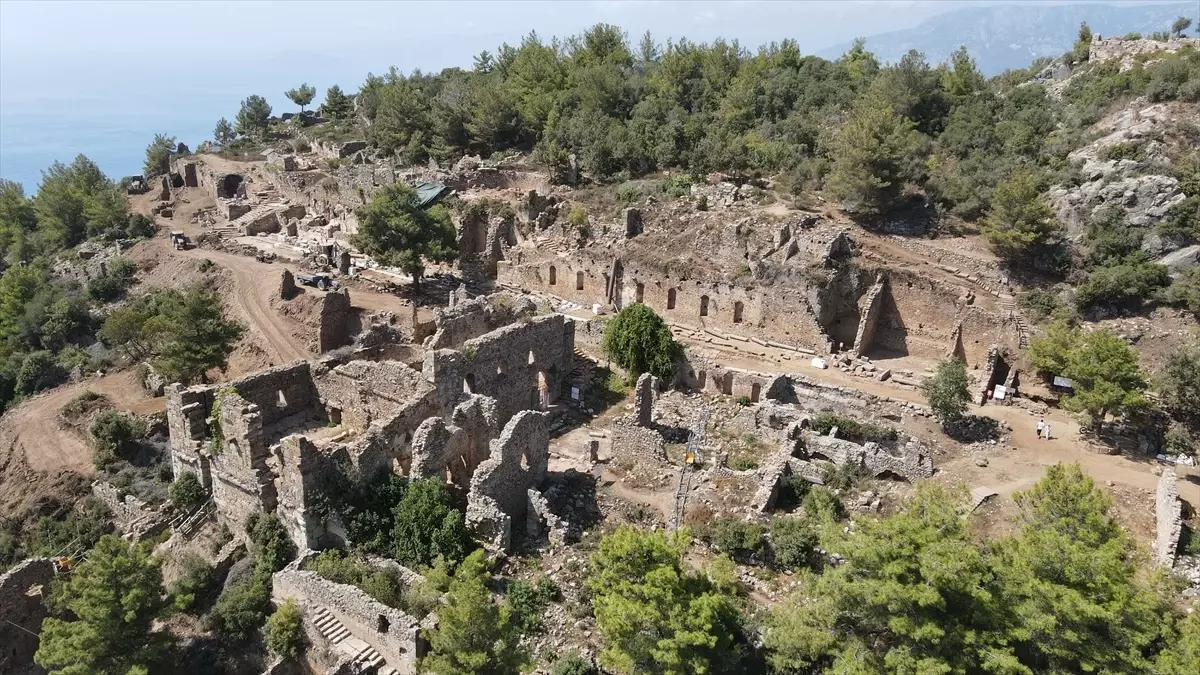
[{"x": 1002, "y": 37}]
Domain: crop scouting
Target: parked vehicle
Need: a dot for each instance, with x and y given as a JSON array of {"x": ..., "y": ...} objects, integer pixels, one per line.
[
  {"x": 320, "y": 280},
  {"x": 180, "y": 241}
]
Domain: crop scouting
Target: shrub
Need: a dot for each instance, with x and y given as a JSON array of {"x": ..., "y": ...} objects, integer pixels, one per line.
[
  {"x": 572, "y": 664},
  {"x": 83, "y": 405},
  {"x": 385, "y": 585},
  {"x": 821, "y": 504},
  {"x": 529, "y": 602},
  {"x": 1123, "y": 285},
  {"x": 196, "y": 581},
  {"x": 793, "y": 542},
  {"x": 271, "y": 546},
  {"x": 737, "y": 537},
  {"x": 285, "y": 637},
  {"x": 116, "y": 436},
  {"x": 825, "y": 421},
  {"x": 38, "y": 371},
  {"x": 241, "y": 609},
  {"x": 743, "y": 463},
  {"x": 948, "y": 391},
  {"x": 186, "y": 492},
  {"x": 844, "y": 476}
]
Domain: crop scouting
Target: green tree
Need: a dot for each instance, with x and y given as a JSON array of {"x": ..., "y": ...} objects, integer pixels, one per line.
[
  {"x": 1180, "y": 26},
  {"x": 1179, "y": 382},
  {"x": 77, "y": 201},
  {"x": 656, "y": 615},
  {"x": 871, "y": 156},
  {"x": 572, "y": 664},
  {"x": 158, "y": 155},
  {"x": 186, "y": 492},
  {"x": 793, "y": 542},
  {"x": 1105, "y": 373},
  {"x": 185, "y": 333},
  {"x": 196, "y": 581},
  {"x": 1019, "y": 223},
  {"x": 252, "y": 117},
  {"x": 223, "y": 133},
  {"x": 428, "y": 525},
  {"x": 1074, "y": 600},
  {"x": 474, "y": 634},
  {"x": 913, "y": 595},
  {"x": 395, "y": 231},
  {"x": 1182, "y": 656},
  {"x": 1083, "y": 46},
  {"x": 272, "y": 548},
  {"x": 1049, "y": 353},
  {"x": 961, "y": 79},
  {"x": 114, "y": 597},
  {"x": 948, "y": 391},
  {"x": 285, "y": 636},
  {"x": 638, "y": 340},
  {"x": 302, "y": 95},
  {"x": 18, "y": 224},
  {"x": 337, "y": 105}
]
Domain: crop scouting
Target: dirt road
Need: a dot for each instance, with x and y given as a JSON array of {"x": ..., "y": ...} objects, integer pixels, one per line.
[{"x": 34, "y": 430}]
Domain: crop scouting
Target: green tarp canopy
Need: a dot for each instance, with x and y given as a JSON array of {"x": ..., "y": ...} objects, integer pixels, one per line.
[{"x": 429, "y": 194}]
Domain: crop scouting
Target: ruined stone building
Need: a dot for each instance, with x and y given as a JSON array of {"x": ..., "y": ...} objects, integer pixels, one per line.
[{"x": 267, "y": 442}]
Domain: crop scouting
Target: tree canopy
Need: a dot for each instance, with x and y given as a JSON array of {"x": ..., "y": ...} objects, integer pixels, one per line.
[
  {"x": 158, "y": 155},
  {"x": 638, "y": 340},
  {"x": 114, "y": 597},
  {"x": 302, "y": 95},
  {"x": 395, "y": 231},
  {"x": 252, "y": 117},
  {"x": 948, "y": 391}
]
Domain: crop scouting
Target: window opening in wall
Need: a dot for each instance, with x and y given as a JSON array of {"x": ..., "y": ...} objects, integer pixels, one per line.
[
  {"x": 755, "y": 392},
  {"x": 579, "y": 281},
  {"x": 469, "y": 383},
  {"x": 702, "y": 378},
  {"x": 737, "y": 311},
  {"x": 280, "y": 400},
  {"x": 727, "y": 385},
  {"x": 704, "y": 305},
  {"x": 641, "y": 291},
  {"x": 553, "y": 275},
  {"x": 335, "y": 415},
  {"x": 670, "y": 298},
  {"x": 382, "y": 624}
]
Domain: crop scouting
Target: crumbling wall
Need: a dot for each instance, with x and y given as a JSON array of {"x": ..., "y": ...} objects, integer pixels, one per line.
[
  {"x": 241, "y": 479},
  {"x": 394, "y": 634},
  {"x": 872, "y": 308},
  {"x": 1169, "y": 512},
  {"x": 643, "y": 399},
  {"x": 22, "y": 608},
  {"x": 130, "y": 515},
  {"x": 498, "y": 497},
  {"x": 334, "y": 321},
  {"x": 472, "y": 318},
  {"x": 706, "y": 376},
  {"x": 455, "y": 448},
  {"x": 522, "y": 366},
  {"x": 912, "y": 464}
]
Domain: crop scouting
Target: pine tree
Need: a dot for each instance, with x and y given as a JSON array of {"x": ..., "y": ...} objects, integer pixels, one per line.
[{"x": 395, "y": 231}]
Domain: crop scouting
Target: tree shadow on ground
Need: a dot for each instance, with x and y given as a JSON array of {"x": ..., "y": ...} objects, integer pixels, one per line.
[{"x": 973, "y": 429}]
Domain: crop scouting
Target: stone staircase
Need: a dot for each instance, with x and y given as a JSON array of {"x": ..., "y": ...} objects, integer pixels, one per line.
[
  {"x": 363, "y": 657},
  {"x": 256, "y": 214},
  {"x": 549, "y": 244},
  {"x": 1008, "y": 306}
]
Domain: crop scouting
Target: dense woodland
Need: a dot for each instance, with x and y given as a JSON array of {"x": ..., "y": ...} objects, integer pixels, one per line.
[{"x": 916, "y": 591}]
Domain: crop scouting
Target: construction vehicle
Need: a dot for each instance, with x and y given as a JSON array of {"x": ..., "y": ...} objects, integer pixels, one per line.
[
  {"x": 265, "y": 256},
  {"x": 320, "y": 280},
  {"x": 180, "y": 241}
]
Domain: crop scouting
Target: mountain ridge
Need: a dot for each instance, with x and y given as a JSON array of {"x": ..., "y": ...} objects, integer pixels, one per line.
[{"x": 1000, "y": 37}]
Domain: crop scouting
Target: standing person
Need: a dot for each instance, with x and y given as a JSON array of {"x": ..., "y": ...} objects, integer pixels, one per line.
[
  {"x": 1041, "y": 425},
  {"x": 1047, "y": 432}
]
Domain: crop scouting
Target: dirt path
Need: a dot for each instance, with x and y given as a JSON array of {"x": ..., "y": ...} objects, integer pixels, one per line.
[{"x": 34, "y": 430}]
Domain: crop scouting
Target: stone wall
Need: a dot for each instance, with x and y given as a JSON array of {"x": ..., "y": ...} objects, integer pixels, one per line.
[
  {"x": 872, "y": 308},
  {"x": 706, "y": 376},
  {"x": 1169, "y": 512},
  {"x": 499, "y": 498},
  {"x": 475, "y": 317},
  {"x": 392, "y": 633},
  {"x": 333, "y": 329},
  {"x": 455, "y": 448},
  {"x": 912, "y": 462},
  {"x": 130, "y": 515},
  {"x": 522, "y": 366},
  {"x": 22, "y": 592}
]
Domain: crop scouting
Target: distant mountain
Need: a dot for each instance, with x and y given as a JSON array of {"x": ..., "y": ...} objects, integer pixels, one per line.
[{"x": 1012, "y": 36}]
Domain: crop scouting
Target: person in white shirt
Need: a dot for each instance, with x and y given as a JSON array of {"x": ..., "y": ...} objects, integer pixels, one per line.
[{"x": 1041, "y": 425}]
